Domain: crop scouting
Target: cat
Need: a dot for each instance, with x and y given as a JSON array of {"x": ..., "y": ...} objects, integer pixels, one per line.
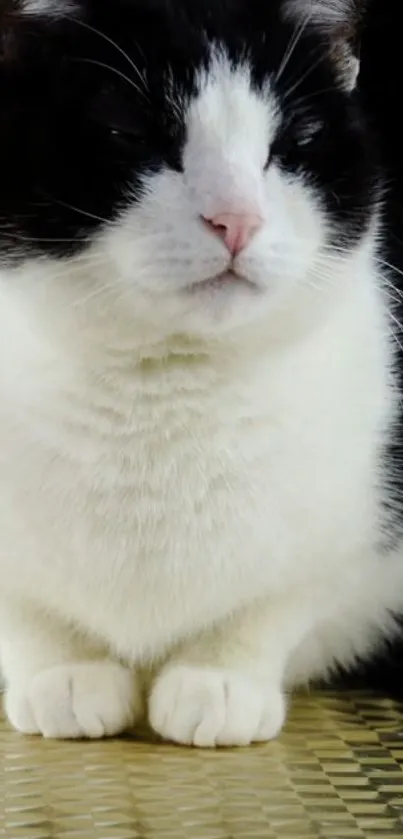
[{"x": 199, "y": 372}]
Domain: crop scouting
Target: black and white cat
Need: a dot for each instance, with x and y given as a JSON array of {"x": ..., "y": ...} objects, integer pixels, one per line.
[{"x": 199, "y": 396}]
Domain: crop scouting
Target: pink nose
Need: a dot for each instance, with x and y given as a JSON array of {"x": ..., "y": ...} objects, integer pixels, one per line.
[{"x": 235, "y": 229}]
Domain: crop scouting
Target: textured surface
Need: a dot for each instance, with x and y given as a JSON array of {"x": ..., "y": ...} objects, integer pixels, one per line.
[{"x": 335, "y": 772}]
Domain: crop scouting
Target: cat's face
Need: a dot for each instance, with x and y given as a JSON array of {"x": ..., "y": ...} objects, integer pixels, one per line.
[{"x": 206, "y": 154}]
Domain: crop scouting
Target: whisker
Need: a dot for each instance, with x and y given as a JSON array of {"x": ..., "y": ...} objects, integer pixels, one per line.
[
  {"x": 292, "y": 45},
  {"x": 107, "y": 290},
  {"x": 377, "y": 259},
  {"x": 19, "y": 237},
  {"x": 391, "y": 287},
  {"x": 312, "y": 285},
  {"x": 388, "y": 265},
  {"x": 111, "y": 69},
  {"x": 392, "y": 299},
  {"x": 72, "y": 267},
  {"x": 110, "y": 41},
  {"x": 306, "y": 98},
  {"x": 322, "y": 276},
  {"x": 392, "y": 332},
  {"x": 394, "y": 294},
  {"x": 80, "y": 211},
  {"x": 304, "y": 76}
]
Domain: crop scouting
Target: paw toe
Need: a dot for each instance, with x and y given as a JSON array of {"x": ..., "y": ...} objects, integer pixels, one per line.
[
  {"x": 212, "y": 707},
  {"x": 83, "y": 700}
]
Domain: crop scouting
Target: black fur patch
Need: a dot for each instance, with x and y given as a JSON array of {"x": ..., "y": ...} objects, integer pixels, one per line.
[
  {"x": 380, "y": 77},
  {"x": 90, "y": 103}
]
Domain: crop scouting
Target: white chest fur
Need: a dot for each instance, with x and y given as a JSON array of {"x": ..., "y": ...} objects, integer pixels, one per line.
[{"x": 147, "y": 500}]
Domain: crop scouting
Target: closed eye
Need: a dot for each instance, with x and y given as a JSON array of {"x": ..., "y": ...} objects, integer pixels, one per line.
[
  {"x": 297, "y": 135},
  {"x": 118, "y": 117},
  {"x": 307, "y": 133},
  {"x": 127, "y": 131}
]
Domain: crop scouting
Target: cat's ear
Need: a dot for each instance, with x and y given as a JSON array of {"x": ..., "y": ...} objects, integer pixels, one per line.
[
  {"x": 12, "y": 11},
  {"x": 18, "y": 22},
  {"x": 52, "y": 8},
  {"x": 340, "y": 23}
]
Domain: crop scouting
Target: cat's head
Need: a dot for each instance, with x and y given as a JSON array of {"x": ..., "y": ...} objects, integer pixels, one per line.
[{"x": 207, "y": 158}]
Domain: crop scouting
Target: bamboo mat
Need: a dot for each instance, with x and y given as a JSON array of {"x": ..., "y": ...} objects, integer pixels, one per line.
[{"x": 336, "y": 772}]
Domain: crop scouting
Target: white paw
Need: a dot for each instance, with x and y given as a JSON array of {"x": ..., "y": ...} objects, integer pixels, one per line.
[
  {"x": 207, "y": 707},
  {"x": 83, "y": 700}
]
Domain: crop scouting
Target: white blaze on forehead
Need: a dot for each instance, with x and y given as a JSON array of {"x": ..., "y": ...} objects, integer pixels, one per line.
[
  {"x": 48, "y": 7},
  {"x": 230, "y": 127}
]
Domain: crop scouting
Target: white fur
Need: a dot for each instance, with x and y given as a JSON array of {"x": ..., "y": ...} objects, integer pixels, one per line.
[
  {"x": 189, "y": 476},
  {"x": 206, "y": 707},
  {"x": 85, "y": 699}
]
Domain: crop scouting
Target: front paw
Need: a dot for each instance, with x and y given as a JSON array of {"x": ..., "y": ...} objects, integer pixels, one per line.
[
  {"x": 77, "y": 700},
  {"x": 209, "y": 707}
]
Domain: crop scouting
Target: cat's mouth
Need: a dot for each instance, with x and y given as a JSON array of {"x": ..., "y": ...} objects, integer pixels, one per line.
[{"x": 224, "y": 281}]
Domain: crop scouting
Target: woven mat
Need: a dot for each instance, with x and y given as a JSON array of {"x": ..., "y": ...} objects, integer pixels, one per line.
[{"x": 335, "y": 772}]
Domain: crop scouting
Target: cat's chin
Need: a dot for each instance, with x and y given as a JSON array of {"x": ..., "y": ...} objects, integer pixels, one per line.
[{"x": 226, "y": 282}]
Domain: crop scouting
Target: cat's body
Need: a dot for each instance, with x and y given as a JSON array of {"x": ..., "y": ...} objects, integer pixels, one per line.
[{"x": 195, "y": 477}]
